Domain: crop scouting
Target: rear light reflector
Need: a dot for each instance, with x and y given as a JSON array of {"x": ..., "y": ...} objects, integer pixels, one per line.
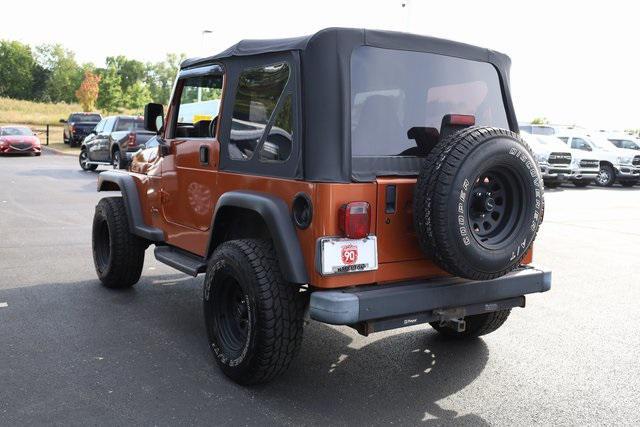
[
  {"x": 354, "y": 220},
  {"x": 132, "y": 140}
]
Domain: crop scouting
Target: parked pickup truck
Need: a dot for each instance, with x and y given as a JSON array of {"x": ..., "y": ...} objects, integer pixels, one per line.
[
  {"x": 113, "y": 142},
  {"x": 363, "y": 178},
  {"x": 616, "y": 164},
  {"x": 560, "y": 163},
  {"x": 78, "y": 126}
]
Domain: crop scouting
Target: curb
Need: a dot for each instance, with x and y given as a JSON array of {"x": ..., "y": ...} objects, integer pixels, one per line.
[{"x": 57, "y": 152}]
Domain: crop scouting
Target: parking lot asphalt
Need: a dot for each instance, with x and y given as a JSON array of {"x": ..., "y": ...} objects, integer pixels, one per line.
[{"x": 75, "y": 353}]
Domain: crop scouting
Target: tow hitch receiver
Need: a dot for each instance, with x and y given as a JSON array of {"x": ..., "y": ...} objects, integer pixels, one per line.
[{"x": 451, "y": 317}]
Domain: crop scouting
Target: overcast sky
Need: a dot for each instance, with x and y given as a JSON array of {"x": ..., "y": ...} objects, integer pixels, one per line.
[{"x": 573, "y": 62}]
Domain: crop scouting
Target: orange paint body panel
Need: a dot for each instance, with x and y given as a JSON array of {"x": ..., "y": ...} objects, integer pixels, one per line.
[{"x": 181, "y": 195}]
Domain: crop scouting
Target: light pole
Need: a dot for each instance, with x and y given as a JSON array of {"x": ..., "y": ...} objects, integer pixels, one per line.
[
  {"x": 406, "y": 8},
  {"x": 204, "y": 35}
]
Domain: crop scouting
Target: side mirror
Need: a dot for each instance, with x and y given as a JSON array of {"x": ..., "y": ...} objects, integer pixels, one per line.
[
  {"x": 153, "y": 117},
  {"x": 63, "y": 121}
]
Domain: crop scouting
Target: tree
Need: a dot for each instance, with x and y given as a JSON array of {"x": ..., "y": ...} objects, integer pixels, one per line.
[
  {"x": 88, "y": 91},
  {"x": 16, "y": 68},
  {"x": 137, "y": 96},
  {"x": 65, "y": 75},
  {"x": 111, "y": 97},
  {"x": 130, "y": 71},
  {"x": 540, "y": 121},
  {"x": 161, "y": 75}
]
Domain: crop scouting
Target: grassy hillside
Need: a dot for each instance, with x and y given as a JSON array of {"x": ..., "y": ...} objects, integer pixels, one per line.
[{"x": 38, "y": 113}]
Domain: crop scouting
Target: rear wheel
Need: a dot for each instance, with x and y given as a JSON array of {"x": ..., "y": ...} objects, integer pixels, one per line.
[
  {"x": 476, "y": 325},
  {"x": 606, "y": 177},
  {"x": 478, "y": 202},
  {"x": 118, "y": 254},
  {"x": 253, "y": 317}
]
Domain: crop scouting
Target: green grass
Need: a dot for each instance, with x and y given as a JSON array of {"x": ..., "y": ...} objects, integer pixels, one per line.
[{"x": 17, "y": 111}]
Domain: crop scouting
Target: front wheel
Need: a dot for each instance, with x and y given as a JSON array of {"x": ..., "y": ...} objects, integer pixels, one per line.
[
  {"x": 83, "y": 159},
  {"x": 606, "y": 177},
  {"x": 476, "y": 325},
  {"x": 253, "y": 317},
  {"x": 118, "y": 254}
]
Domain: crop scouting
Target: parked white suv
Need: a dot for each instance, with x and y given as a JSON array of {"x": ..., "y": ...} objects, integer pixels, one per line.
[
  {"x": 558, "y": 162},
  {"x": 616, "y": 164}
]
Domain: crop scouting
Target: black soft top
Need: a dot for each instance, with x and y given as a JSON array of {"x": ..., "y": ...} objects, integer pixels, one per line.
[{"x": 325, "y": 83}]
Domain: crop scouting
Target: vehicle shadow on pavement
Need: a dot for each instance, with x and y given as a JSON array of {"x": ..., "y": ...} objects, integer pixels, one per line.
[
  {"x": 71, "y": 347},
  {"x": 348, "y": 379}
]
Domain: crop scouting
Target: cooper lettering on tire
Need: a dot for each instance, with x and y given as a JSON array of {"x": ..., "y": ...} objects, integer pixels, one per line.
[{"x": 478, "y": 202}]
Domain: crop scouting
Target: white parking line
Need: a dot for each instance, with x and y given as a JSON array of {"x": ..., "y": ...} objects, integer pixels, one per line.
[{"x": 3, "y": 305}]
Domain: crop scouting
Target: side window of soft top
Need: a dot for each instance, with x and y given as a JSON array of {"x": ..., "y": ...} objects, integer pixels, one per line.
[
  {"x": 197, "y": 112},
  {"x": 262, "y": 114}
]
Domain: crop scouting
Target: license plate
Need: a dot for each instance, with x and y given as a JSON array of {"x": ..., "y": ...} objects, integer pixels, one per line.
[{"x": 339, "y": 256}]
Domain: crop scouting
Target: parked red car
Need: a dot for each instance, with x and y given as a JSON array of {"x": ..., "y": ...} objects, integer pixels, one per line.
[{"x": 17, "y": 140}]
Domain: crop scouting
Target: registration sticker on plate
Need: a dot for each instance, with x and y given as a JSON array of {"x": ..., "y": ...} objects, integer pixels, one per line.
[{"x": 339, "y": 256}]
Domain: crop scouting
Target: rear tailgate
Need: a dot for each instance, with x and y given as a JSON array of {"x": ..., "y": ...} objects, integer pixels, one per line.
[{"x": 142, "y": 136}]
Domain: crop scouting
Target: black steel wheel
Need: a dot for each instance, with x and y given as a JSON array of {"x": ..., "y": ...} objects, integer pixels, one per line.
[
  {"x": 118, "y": 255},
  {"x": 254, "y": 318},
  {"x": 232, "y": 315},
  {"x": 495, "y": 207},
  {"x": 478, "y": 203}
]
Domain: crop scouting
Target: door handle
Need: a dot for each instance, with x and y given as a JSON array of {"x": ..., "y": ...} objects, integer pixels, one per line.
[{"x": 204, "y": 154}]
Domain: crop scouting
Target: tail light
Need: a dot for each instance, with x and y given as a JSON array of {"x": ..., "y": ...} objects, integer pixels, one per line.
[
  {"x": 132, "y": 140},
  {"x": 354, "y": 220}
]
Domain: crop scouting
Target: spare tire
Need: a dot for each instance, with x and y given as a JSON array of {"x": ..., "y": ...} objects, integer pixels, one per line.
[{"x": 478, "y": 202}]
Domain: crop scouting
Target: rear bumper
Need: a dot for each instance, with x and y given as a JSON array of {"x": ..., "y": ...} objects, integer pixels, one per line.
[{"x": 421, "y": 300}]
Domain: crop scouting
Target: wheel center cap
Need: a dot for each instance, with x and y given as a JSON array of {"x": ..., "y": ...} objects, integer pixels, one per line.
[{"x": 489, "y": 204}]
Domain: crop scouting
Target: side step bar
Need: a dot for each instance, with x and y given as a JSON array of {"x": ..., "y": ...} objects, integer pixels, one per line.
[
  {"x": 181, "y": 260},
  {"x": 99, "y": 163}
]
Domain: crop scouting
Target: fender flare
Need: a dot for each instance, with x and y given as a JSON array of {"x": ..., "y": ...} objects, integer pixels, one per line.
[
  {"x": 275, "y": 213},
  {"x": 127, "y": 187}
]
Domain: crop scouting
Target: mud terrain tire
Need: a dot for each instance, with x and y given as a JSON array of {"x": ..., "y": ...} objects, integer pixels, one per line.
[
  {"x": 254, "y": 319},
  {"x": 478, "y": 203},
  {"x": 118, "y": 254}
]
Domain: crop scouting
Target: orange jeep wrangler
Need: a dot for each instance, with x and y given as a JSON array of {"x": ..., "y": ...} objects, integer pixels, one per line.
[{"x": 355, "y": 177}]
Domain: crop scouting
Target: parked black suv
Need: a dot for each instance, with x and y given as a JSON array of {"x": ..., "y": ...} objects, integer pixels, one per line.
[
  {"x": 78, "y": 126},
  {"x": 113, "y": 142}
]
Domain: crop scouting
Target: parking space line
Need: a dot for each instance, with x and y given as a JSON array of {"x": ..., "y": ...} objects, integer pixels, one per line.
[{"x": 3, "y": 305}]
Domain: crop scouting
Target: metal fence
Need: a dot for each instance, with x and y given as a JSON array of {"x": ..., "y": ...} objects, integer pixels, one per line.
[{"x": 42, "y": 131}]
